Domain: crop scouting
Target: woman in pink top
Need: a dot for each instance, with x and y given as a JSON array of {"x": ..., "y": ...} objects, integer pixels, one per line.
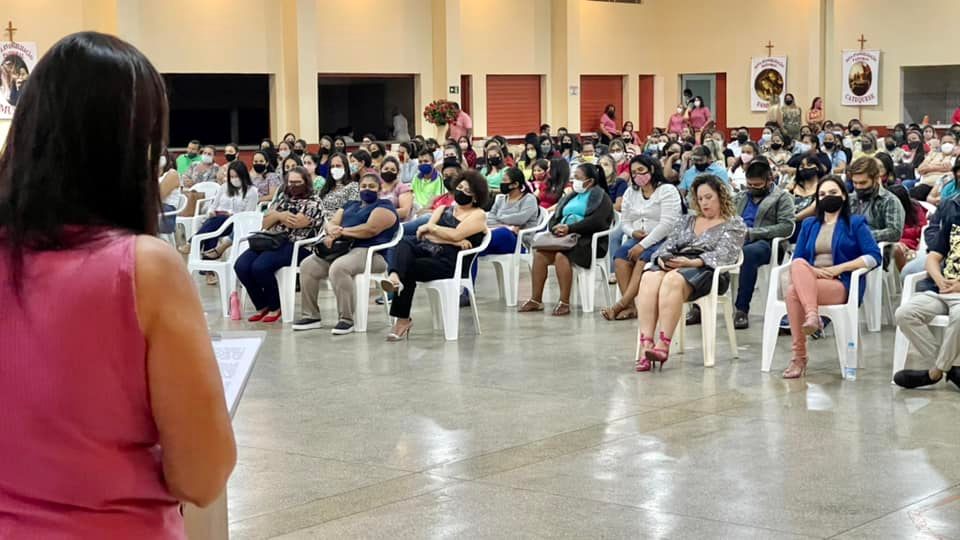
[
  {"x": 608, "y": 126},
  {"x": 111, "y": 404},
  {"x": 677, "y": 121},
  {"x": 698, "y": 115}
]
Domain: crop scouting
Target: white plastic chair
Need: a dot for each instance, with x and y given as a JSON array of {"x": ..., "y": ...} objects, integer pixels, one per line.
[
  {"x": 901, "y": 344},
  {"x": 878, "y": 300},
  {"x": 845, "y": 318},
  {"x": 777, "y": 245},
  {"x": 287, "y": 279},
  {"x": 507, "y": 266},
  {"x": 930, "y": 208},
  {"x": 445, "y": 295},
  {"x": 192, "y": 224},
  {"x": 585, "y": 279},
  {"x": 244, "y": 224},
  {"x": 709, "y": 305},
  {"x": 181, "y": 204}
]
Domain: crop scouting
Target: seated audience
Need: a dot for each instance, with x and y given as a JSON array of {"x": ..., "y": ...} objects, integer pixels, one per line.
[
  {"x": 747, "y": 152},
  {"x": 295, "y": 216},
  {"x": 831, "y": 246},
  {"x": 946, "y": 188},
  {"x": 531, "y": 154},
  {"x": 495, "y": 166},
  {"x": 395, "y": 191},
  {"x": 885, "y": 162},
  {"x": 588, "y": 154},
  {"x": 569, "y": 148},
  {"x": 310, "y": 164},
  {"x": 938, "y": 162},
  {"x": 342, "y": 254},
  {"x": 188, "y": 158},
  {"x": 700, "y": 159},
  {"x": 237, "y": 195},
  {"x": 551, "y": 186},
  {"x": 682, "y": 268},
  {"x": 882, "y": 210},
  {"x": 585, "y": 211},
  {"x": 833, "y": 150},
  {"x": 377, "y": 153},
  {"x": 778, "y": 155},
  {"x": 339, "y": 188},
  {"x": 804, "y": 188},
  {"x": 433, "y": 253},
  {"x": 204, "y": 170},
  {"x": 650, "y": 211},
  {"x": 466, "y": 149},
  {"x": 426, "y": 185},
  {"x": 915, "y": 219},
  {"x": 360, "y": 162},
  {"x": 264, "y": 179},
  {"x": 170, "y": 189},
  {"x": 409, "y": 165},
  {"x": 942, "y": 298},
  {"x": 514, "y": 209}
]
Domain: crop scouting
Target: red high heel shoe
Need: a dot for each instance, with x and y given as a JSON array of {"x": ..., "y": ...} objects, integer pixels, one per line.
[
  {"x": 643, "y": 363},
  {"x": 659, "y": 355},
  {"x": 258, "y": 316},
  {"x": 272, "y": 318}
]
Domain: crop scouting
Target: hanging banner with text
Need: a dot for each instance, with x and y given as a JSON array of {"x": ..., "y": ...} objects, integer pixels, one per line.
[
  {"x": 860, "y": 82},
  {"x": 768, "y": 80},
  {"x": 16, "y": 62}
]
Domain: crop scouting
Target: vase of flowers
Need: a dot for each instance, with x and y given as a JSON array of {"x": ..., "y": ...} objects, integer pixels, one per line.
[{"x": 440, "y": 112}]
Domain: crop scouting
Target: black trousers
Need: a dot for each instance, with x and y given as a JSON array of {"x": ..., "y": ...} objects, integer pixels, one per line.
[{"x": 413, "y": 263}]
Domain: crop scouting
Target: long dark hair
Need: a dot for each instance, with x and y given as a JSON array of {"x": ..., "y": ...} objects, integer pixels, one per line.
[
  {"x": 330, "y": 181},
  {"x": 559, "y": 175},
  {"x": 909, "y": 206},
  {"x": 845, "y": 209},
  {"x": 90, "y": 91},
  {"x": 245, "y": 182},
  {"x": 516, "y": 175},
  {"x": 592, "y": 172}
]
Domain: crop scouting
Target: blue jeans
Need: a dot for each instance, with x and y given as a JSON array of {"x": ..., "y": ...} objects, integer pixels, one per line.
[
  {"x": 167, "y": 223},
  {"x": 916, "y": 265},
  {"x": 623, "y": 253},
  {"x": 409, "y": 231},
  {"x": 616, "y": 240},
  {"x": 210, "y": 225},
  {"x": 502, "y": 242},
  {"x": 255, "y": 270},
  {"x": 755, "y": 255}
]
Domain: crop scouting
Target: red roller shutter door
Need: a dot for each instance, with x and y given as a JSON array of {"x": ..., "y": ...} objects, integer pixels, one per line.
[
  {"x": 596, "y": 92},
  {"x": 513, "y": 104}
]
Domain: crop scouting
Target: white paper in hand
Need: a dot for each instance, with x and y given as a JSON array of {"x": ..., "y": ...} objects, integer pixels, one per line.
[{"x": 235, "y": 357}]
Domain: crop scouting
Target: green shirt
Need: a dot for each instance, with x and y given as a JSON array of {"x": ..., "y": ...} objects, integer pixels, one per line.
[
  {"x": 184, "y": 162},
  {"x": 425, "y": 190},
  {"x": 494, "y": 179}
]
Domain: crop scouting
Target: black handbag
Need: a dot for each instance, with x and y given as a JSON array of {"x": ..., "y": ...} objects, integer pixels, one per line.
[
  {"x": 267, "y": 241},
  {"x": 340, "y": 248}
]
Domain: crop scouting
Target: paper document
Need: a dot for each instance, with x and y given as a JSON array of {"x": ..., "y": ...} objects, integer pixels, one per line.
[{"x": 235, "y": 356}]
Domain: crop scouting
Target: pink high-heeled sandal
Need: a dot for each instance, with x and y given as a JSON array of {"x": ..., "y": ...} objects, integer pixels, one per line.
[
  {"x": 658, "y": 354},
  {"x": 643, "y": 363}
]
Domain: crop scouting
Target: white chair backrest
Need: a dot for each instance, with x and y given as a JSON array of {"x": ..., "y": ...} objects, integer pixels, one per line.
[
  {"x": 246, "y": 223},
  {"x": 930, "y": 208},
  {"x": 209, "y": 189}
]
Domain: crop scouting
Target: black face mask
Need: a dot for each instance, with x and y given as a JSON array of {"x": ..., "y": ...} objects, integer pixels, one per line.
[
  {"x": 891, "y": 146},
  {"x": 914, "y": 145},
  {"x": 676, "y": 166},
  {"x": 788, "y": 102},
  {"x": 494, "y": 161},
  {"x": 376, "y": 154},
  {"x": 230, "y": 157},
  {"x": 298, "y": 151},
  {"x": 866, "y": 194},
  {"x": 191, "y": 155},
  {"x": 776, "y": 146},
  {"x": 701, "y": 166},
  {"x": 462, "y": 198},
  {"x": 341, "y": 149},
  {"x": 804, "y": 175},
  {"x": 388, "y": 176},
  {"x": 831, "y": 204},
  {"x": 829, "y": 145},
  {"x": 324, "y": 150},
  {"x": 566, "y": 146},
  {"x": 759, "y": 193},
  {"x": 259, "y": 168},
  {"x": 742, "y": 138},
  {"x": 612, "y": 114},
  {"x": 506, "y": 188},
  {"x": 855, "y": 132},
  {"x": 898, "y": 135}
]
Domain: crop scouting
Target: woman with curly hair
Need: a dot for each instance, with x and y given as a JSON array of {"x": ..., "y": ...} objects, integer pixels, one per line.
[{"x": 682, "y": 268}]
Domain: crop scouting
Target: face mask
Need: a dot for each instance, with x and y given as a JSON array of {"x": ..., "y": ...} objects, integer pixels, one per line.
[
  {"x": 617, "y": 156},
  {"x": 801, "y": 148},
  {"x": 578, "y": 185},
  {"x": 341, "y": 149},
  {"x": 354, "y": 168},
  {"x": 806, "y": 174},
  {"x": 259, "y": 168},
  {"x": 855, "y": 132},
  {"x": 891, "y": 146},
  {"x": 324, "y": 150},
  {"x": 462, "y": 198},
  {"x": 539, "y": 176},
  {"x": 506, "y": 188},
  {"x": 764, "y": 138},
  {"x": 746, "y": 158},
  {"x": 236, "y": 182},
  {"x": 898, "y": 135},
  {"x": 701, "y": 166},
  {"x": 788, "y": 101},
  {"x": 914, "y": 145},
  {"x": 296, "y": 192},
  {"x": 449, "y": 182},
  {"x": 337, "y": 173},
  {"x": 642, "y": 179},
  {"x": 698, "y": 103},
  {"x": 369, "y": 196},
  {"x": 776, "y": 146},
  {"x": 230, "y": 157},
  {"x": 742, "y": 138},
  {"x": 464, "y": 146},
  {"x": 829, "y": 145},
  {"x": 494, "y": 161},
  {"x": 376, "y": 154},
  {"x": 566, "y": 146},
  {"x": 866, "y": 194},
  {"x": 206, "y": 159},
  {"x": 191, "y": 155},
  {"x": 545, "y": 149},
  {"x": 679, "y": 110},
  {"x": 831, "y": 204},
  {"x": 388, "y": 176},
  {"x": 532, "y": 154},
  {"x": 760, "y": 192},
  {"x": 946, "y": 148},
  {"x": 589, "y": 159},
  {"x": 424, "y": 169},
  {"x": 284, "y": 154},
  {"x": 661, "y": 146},
  {"x": 163, "y": 161},
  {"x": 612, "y": 114},
  {"x": 298, "y": 151},
  {"x": 676, "y": 166}
]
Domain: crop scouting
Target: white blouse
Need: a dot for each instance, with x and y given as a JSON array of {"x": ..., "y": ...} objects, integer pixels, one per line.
[
  {"x": 223, "y": 202},
  {"x": 657, "y": 215}
]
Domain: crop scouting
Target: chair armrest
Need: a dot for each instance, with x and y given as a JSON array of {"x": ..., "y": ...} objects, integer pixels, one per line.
[
  {"x": 197, "y": 211},
  {"x": 197, "y": 238},
  {"x": 774, "y": 285},
  {"x": 458, "y": 271},
  {"x": 910, "y": 285},
  {"x": 718, "y": 271},
  {"x": 300, "y": 244},
  {"x": 776, "y": 246},
  {"x": 853, "y": 298}
]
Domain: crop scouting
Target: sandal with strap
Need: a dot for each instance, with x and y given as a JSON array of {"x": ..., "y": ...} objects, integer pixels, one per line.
[
  {"x": 562, "y": 309},
  {"x": 611, "y": 313},
  {"x": 796, "y": 369},
  {"x": 627, "y": 314},
  {"x": 530, "y": 305},
  {"x": 660, "y": 354},
  {"x": 643, "y": 363}
]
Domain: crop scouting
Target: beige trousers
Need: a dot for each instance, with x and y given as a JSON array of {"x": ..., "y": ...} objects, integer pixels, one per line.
[
  {"x": 914, "y": 320},
  {"x": 340, "y": 273}
]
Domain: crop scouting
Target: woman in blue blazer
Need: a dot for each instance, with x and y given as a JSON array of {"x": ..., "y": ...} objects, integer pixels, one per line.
[{"x": 831, "y": 246}]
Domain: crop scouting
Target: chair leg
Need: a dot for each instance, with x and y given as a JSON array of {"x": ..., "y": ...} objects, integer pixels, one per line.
[
  {"x": 605, "y": 283},
  {"x": 708, "y": 326},
  {"x": 476, "y": 310},
  {"x": 225, "y": 288},
  {"x": 361, "y": 291},
  {"x": 901, "y": 346},
  {"x": 771, "y": 329},
  {"x": 731, "y": 331},
  {"x": 679, "y": 344},
  {"x": 436, "y": 307},
  {"x": 511, "y": 283},
  {"x": 450, "y": 310}
]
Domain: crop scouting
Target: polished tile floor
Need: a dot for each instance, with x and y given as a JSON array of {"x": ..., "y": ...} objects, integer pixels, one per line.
[{"x": 540, "y": 428}]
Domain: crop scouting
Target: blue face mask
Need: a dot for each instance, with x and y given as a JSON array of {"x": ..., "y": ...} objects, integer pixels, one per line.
[
  {"x": 368, "y": 196},
  {"x": 425, "y": 169}
]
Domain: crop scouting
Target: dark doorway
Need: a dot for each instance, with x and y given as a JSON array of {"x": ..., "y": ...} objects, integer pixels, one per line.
[
  {"x": 466, "y": 93},
  {"x": 364, "y": 104},
  {"x": 218, "y": 109}
]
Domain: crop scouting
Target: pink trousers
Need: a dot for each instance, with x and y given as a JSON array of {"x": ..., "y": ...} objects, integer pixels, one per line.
[{"x": 805, "y": 295}]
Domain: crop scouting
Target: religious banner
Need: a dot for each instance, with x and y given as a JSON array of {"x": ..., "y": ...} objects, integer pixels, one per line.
[
  {"x": 768, "y": 76},
  {"x": 17, "y": 60},
  {"x": 860, "y": 82}
]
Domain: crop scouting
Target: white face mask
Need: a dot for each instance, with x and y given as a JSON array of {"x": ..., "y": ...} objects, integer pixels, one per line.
[
  {"x": 337, "y": 173},
  {"x": 206, "y": 159},
  {"x": 947, "y": 148},
  {"x": 163, "y": 162},
  {"x": 284, "y": 154},
  {"x": 578, "y": 186},
  {"x": 679, "y": 110},
  {"x": 531, "y": 154},
  {"x": 235, "y": 182},
  {"x": 617, "y": 156}
]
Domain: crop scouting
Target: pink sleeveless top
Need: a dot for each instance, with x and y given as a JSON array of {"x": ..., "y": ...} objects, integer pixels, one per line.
[{"x": 79, "y": 454}]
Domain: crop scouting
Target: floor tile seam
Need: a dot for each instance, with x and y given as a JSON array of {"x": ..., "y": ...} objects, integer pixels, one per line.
[
  {"x": 642, "y": 508},
  {"x": 325, "y": 458},
  {"x": 343, "y": 493},
  {"x": 890, "y": 513}
]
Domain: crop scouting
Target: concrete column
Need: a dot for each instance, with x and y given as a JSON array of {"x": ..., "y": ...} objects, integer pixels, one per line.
[
  {"x": 565, "y": 64},
  {"x": 128, "y": 20},
  {"x": 308, "y": 126}
]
